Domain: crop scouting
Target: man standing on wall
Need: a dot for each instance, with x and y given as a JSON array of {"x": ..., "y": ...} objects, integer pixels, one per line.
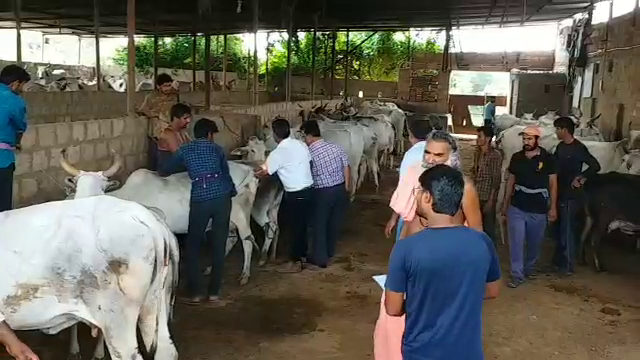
[
  {"x": 529, "y": 202},
  {"x": 490, "y": 112},
  {"x": 571, "y": 155},
  {"x": 291, "y": 160},
  {"x": 331, "y": 183},
  {"x": 13, "y": 124},
  {"x": 156, "y": 107},
  {"x": 486, "y": 177}
]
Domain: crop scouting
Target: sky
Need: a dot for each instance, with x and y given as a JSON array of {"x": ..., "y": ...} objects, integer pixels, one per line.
[{"x": 72, "y": 50}]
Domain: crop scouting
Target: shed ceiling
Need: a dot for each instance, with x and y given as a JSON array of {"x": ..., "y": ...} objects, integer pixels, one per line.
[{"x": 171, "y": 17}]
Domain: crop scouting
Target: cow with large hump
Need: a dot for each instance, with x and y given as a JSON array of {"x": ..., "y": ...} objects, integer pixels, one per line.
[
  {"x": 611, "y": 204},
  {"x": 396, "y": 116},
  {"x": 109, "y": 263}
]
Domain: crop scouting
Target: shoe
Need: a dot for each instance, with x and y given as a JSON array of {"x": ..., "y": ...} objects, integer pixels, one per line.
[
  {"x": 531, "y": 275},
  {"x": 515, "y": 282},
  {"x": 292, "y": 267}
]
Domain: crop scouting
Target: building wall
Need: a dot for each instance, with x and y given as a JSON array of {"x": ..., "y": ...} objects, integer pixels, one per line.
[
  {"x": 302, "y": 85},
  {"x": 616, "y": 77},
  {"x": 539, "y": 92}
]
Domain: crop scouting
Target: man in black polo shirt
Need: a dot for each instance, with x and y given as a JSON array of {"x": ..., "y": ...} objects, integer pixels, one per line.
[
  {"x": 571, "y": 155},
  {"x": 530, "y": 200}
]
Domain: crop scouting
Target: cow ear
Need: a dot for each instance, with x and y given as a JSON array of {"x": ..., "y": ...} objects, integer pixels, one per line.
[
  {"x": 112, "y": 185},
  {"x": 239, "y": 151},
  {"x": 70, "y": 182}
]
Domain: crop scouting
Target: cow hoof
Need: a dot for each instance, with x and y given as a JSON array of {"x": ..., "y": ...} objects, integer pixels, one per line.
[
  {"x": 262, "y": 263},
  {"x": 244, "y": 280},
  {"x": 207, "y": 271},
  {"x": 74, "y": 356}
]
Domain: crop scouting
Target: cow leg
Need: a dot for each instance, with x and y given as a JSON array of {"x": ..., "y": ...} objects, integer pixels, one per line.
[
  {"x": 98, "y": 353},
  {"x": 373, "y": 164},
  {"x": 244, "y": 231},
  {"x": 120, "y": 332},
  {"x": 596, "y": 243},
  {"x": 154, "y": 329},
  {"x": 74, "y": 346},
  {"x": 582, "y": 252},
  {"x": 270, "y": 231},
  {"x": 274, "y": 247}
]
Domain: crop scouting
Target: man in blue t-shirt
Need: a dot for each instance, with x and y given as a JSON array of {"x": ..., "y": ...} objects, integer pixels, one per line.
[{"x": 440, "y": 276}]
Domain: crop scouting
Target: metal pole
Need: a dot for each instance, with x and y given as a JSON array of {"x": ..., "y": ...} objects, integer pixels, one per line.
[
  {"x": 313, "y": 58},
  {"x": 248, "y": 68},
  {"x": 289, "y": 36},
  {"x": 334, "y": 37},
  {"x": 17, "y": 6},
  {"x": 131, "y": 63},
  {"x": 224, "y": 62},
  {"x": 255, "y": 52},
  {"x": 96, "y": 30},
  {"x": 266, "y": 65},
  {"x": 347, "y": 65},
  {"x": 156, "y": 57},
  {"x": 194, "y": 63},
  {"x": 207, "y": 71}
]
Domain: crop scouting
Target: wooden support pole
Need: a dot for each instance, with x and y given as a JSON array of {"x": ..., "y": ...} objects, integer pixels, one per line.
[
  {"x": 207, "y": 71},
  {"x": 131, "y": 59},
  {"x": 224, "y": 62},
  {"x": 17, "y": 6},
  {"x": 289, "y": 49},
  {"x": 347, "y": 65},
  {"x": 156, "y": 57},
  {"x": 313, "y": 57},
  {"x": 255, "y": 52},
  {"x": 194, "y": 62},
  {"x": 96, "y": 31},
  {"x": 266, "y": 65},
  {"x": 334, "y": 37}
]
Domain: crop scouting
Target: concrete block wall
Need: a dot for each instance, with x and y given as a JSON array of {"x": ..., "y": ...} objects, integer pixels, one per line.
[
  {"x": 538, "y": 92},
  {"x": 39, "y": 177}
]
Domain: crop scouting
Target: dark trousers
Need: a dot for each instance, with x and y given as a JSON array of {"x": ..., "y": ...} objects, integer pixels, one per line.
[
  {"x": 568, "y": 231},
  {"x": 219, "y": 211},
  {"x": 152, "y": 154},
  {"x": 298, "y": 208},
  {"x": 6, "y": 187},
  {"x": 330, "y": 205},
  {"x": 489, "y": 220}
]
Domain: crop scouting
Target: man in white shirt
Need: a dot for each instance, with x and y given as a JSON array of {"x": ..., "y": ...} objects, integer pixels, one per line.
[
  {"x": 291, "y": 160},
  {"x": 14, "y": 346},
  {"x": 418, "y": 132}
]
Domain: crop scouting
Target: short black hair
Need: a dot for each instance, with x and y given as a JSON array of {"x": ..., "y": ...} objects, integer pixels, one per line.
[
  {"x": 281, "y": 128},
  {"x": 179, "y": 110},
  {"x": 12, "y": 73},
  {"x": 204, "y": 127},
  {"x": 163, "y": 79},
  {"x": 566, "y": 123},
  {"x": 446, "y": 186},
  {"x": 310, "y": 127},
  {"x": 420, "y": 129},
  {"x": 486, "y": 130}
]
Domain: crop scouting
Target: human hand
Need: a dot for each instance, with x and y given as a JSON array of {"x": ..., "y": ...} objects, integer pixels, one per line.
[
  {"x": 20, "y": 351},
  {"x": 578, "y": 182},
  {"x": 390, "y": 225},
  {"x": 553, "y": 214},
  {"x": 503, "y": 210}
]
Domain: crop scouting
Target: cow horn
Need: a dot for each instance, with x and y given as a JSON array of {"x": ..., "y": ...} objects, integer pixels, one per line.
[
  {"x": 117, "y": 163},
  {"x": 65, "y": 164}
]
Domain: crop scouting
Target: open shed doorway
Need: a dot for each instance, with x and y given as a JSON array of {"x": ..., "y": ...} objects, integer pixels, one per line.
[{"x": 468, "y": 91}]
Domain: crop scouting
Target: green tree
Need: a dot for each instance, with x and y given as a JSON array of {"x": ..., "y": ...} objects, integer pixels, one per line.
[{"x": 176, "y": 53}]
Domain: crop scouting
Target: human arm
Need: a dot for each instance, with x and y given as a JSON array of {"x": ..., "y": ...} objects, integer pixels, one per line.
[
  {"x": 471, "y": 206},
  {"x": 495, "y": 176},
  {"x": 593, "y": 167},
  {"x": 347, "y": 169},
  {"x": 492, "y": 287},
  {"x": 553, "y": 190},
  {"x": 224, "y": 166},
  {"x": 19, "y": 121},
  {"x": 393, "y": 221},
  {"x": 145, "y": 109},
  {"x": 14, "y": 346},
  {"x": 396, "y": 284},
  {"x": 509, "y": 187}
]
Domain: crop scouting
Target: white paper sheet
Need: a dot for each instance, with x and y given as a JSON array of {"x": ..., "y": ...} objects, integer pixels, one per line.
[{"x": 380, "y": 279}]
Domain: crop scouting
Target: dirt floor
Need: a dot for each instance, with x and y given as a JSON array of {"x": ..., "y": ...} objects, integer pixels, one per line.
[{"x": 331, "y": 314}]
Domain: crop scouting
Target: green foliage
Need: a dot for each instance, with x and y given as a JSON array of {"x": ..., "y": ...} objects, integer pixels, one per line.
[{"x": 176, "y": 53}]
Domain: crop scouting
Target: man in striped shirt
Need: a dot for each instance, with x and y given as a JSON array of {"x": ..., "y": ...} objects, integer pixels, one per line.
[{"x": 331, "y": 181}]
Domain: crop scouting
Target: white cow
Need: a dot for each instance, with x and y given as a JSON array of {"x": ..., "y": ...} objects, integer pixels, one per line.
[
  {"x": 109, "y": 263},
  {"x": 396, "y": 116}
]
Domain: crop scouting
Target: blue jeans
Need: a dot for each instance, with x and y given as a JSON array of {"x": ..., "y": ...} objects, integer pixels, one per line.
[
  {"x": 567, "y": 234},
  {"x": 399, "y": 228},
  {"x": 524, "y": 228},
  {"x": 330, "y": 205}
]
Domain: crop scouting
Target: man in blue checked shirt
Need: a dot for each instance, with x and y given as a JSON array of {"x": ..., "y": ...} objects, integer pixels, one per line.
[
  {"x": 211, "y": 191},
  {"x": 13, "y": 123}
]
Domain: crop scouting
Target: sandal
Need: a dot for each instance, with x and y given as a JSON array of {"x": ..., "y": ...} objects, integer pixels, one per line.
[
  {"x": 215, "y": 302},
  {"x": 190, "y": 300}
]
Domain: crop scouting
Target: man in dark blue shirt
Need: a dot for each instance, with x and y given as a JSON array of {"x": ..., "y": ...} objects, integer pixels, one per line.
[
  {"x": 440, "y": 276},
  {"x": 13, "y": 123},
  {"x": 211, "y": 191}
]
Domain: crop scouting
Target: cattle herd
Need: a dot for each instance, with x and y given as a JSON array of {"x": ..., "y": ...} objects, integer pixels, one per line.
[{"x": 112, "y": 261}]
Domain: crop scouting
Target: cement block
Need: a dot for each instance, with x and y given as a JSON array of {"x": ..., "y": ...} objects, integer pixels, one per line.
[
  {"x": 23, "y": 163},
  {"x": 63, "y": 133},
  {"x": 28, "y": 188},
  {"x": 29, "y": 138},
  {"x": 118, "y": 127},
  {"x": 73, "y": 154},
  {"x": 54, "y": 157},
  {"x": 131, "y": 162},
  {"x": 16, "y": 193},
  {"x": 93, "y": 130},
  {"x": 40, "y": 160},
  {"x": 127, "y": 145},
  {"x": 78, "y": 131},
  {"x": 87, "y": 151},
  {"x": 105, "y": 128},
  {"x": 101, "y": 150},
  {"x": 46, "y": 135},
  {"x": 115, "y": 145}
]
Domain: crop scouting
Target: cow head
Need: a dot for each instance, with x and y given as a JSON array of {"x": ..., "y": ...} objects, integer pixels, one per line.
[
  {"x": 255, "y": 150},
  {"x": 631, "y": 162},
  {"x": 528, "y": 116},
  {"x": 90, "y": 183}
]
